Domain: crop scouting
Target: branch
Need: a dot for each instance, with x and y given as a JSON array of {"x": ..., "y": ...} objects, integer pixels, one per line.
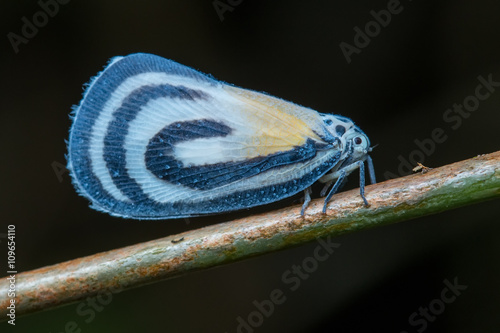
[{"x": 401, "y": 199}]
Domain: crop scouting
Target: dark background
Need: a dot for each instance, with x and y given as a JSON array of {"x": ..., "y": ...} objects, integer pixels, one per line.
[{"x": 396, "y": 89}]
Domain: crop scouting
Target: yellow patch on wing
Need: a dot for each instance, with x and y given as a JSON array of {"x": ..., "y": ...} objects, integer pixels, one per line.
[{"x": 277, "y": 125}]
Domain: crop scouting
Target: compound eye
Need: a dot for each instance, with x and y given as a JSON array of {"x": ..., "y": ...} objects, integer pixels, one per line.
[{"x": 358, "y": 140}]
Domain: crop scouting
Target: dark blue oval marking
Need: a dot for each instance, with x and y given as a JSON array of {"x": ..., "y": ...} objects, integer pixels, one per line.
[{"x": 340, "y": 130}]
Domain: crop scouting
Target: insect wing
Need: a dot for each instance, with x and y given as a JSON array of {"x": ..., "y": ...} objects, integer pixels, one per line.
[{"x": 154, "y": 139}]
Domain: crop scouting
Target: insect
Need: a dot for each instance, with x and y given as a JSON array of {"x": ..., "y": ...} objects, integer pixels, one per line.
[
  {"x": 421, "y": 167},
  {"x": 153, "y": 139}
]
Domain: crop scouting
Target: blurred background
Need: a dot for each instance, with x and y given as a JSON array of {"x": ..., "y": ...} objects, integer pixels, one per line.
[{"x": 397, "y": 86}]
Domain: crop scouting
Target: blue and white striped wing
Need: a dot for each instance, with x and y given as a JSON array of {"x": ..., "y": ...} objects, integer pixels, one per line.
[{"x": 154, "y": 139}]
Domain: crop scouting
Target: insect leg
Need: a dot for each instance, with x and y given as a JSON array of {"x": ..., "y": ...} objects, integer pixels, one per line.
[
  {"x": 340, "y": 179},
  {"x": 327, "y": 186},
  {"x": 371, "y": 170},
  {"x": 362, "y": 181},
  {"x": 334, "y": 175},
  {"x": 307, "y": 200}
]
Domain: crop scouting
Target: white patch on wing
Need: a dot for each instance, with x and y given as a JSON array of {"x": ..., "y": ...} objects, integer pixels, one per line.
[{"x": 200, "y": 151}]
